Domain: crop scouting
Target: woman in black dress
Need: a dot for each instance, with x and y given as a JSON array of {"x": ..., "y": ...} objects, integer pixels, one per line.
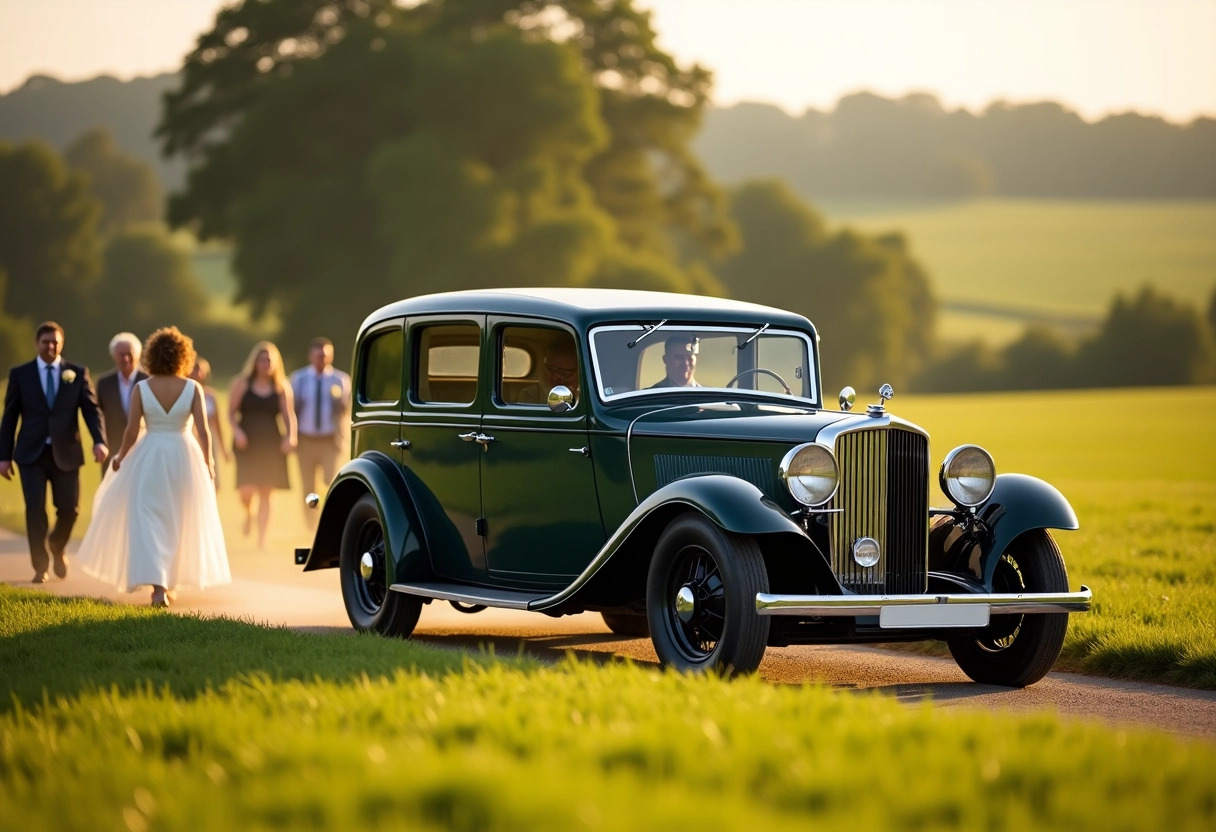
[{"x": 263, "y": 432}]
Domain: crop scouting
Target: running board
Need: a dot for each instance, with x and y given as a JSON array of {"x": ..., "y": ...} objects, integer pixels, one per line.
[{"x": 506, "y": 599}]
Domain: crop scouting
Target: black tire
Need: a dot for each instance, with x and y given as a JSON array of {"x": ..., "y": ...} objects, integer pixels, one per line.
[
  {"x": 370, "y": 605},
  {"x": 1019, "y": 650},
  {"x": 721, "y": 633},
  {"x": 633, "y": 625}
]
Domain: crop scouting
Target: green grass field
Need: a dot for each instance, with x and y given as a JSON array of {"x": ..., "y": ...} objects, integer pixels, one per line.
[
  {"x": 998, "y": 264},
  {"x": 1139, "y": 467},
  {"x": 123, "y": 717}
]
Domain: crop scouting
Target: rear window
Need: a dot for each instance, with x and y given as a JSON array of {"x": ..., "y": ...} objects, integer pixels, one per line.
[{"x": 381, "y": 364}]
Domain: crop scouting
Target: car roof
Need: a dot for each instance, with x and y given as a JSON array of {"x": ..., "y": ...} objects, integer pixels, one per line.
[{"x": 586, "y": 307}]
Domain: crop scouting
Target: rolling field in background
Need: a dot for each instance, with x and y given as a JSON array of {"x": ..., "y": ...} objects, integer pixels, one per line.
[
  {"x": 998, "y": 264},
  {"x": 1138, "y": 466}
]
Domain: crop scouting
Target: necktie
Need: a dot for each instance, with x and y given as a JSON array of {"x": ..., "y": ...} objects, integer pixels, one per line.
[
  {"x": 317, "y": 408},
  {"x": 50, "y": 386}
]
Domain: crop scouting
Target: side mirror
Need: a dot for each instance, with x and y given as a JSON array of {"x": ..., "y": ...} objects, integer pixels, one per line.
[
  {"x": 561, "y": 399},
  {"x": 848, "y": 398}
]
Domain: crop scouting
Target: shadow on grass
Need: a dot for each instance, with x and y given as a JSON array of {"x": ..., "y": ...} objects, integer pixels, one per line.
[
  {"x": 588, "y": 647},
  {"x": 61, "y": 647}
]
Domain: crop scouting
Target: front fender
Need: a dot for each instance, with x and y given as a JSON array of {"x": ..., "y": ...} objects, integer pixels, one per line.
[
  {"x": 373, "y": 473},
  {"x": 1018, "y": 504},
  {"x": 620, "y": 566}
]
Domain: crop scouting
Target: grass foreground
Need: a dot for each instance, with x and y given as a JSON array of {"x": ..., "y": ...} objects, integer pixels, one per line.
[{"x": 118, "y": 717}]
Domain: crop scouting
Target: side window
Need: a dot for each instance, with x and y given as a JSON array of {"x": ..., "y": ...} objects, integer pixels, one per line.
[
  {"x": 533, "y": 360},
  {"x": 448, "y": 357},
  {"x": 381, "y": 367}
]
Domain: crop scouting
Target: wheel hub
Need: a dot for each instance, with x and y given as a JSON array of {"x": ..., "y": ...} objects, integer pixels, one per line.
[
  {"x": 686, "y": 603},
  {"x": 367, "y": 566}
]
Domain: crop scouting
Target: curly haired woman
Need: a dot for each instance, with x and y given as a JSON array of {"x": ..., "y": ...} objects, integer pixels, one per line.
[{"x": 155, "y": 521}]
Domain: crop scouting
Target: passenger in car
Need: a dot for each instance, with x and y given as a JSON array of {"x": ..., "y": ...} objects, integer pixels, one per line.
[{"x": 680, "y": 359}]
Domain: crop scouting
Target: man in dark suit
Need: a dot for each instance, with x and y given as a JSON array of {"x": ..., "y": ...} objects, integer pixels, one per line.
[
  {"x": 47, "y": 394},
  {"x": 114, "y": 389}
]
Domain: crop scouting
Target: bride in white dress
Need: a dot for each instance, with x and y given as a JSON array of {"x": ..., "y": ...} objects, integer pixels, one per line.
[{"x": 155, "y": 520}]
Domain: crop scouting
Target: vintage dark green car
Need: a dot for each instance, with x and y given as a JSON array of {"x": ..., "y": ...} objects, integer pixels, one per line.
[{"x": 670, "y": 462}]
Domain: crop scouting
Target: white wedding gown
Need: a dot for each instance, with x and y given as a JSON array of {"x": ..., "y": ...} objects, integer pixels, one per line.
[{"x": 155, "y": 519}]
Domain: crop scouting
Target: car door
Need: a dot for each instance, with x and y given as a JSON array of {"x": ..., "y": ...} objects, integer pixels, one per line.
[
  {"x": 539, "y": 500},
  {"x": 440, "y": 421}
]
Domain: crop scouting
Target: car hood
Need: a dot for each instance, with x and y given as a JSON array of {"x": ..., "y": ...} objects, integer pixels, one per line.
[{"x": 738, "y": 421}]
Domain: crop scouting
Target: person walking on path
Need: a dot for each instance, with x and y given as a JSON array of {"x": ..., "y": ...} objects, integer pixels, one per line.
[
  {"x": 263, "y": 420},
  {"x": 155, "y": 520},
  {"x": 322, "y": 406},
  {"x": 48, "y": 396},
  {"x": 114, "y": 388},
  {"x": 202, "y": 374}
]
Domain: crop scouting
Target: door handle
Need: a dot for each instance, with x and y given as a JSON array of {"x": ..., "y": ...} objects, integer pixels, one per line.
[
  {"x": 585, "y": 451},
  {"x": 400, "y": 443},
  {"x": 468, "y": 437},
  {"x": 484, "y": 440}
]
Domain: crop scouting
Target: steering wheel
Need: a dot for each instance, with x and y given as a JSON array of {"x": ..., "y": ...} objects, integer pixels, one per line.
[{"x": 767, "y": 372}]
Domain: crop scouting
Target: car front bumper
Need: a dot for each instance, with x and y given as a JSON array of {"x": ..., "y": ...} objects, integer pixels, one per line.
[{"x": 925, "y": 611}]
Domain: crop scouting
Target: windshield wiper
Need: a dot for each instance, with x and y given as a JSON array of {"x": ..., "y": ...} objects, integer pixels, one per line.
[
  {"x": 755, "y": 335},
  {"x": 649, "y": 330}
]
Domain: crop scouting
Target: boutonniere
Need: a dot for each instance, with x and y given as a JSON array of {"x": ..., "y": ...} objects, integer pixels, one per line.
[
  {"x": 68, "y": 375},
  {"x": 335, "y": 391}
]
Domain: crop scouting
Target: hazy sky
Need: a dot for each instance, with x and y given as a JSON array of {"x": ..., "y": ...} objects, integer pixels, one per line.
[{"x": 1098, "y": 56}]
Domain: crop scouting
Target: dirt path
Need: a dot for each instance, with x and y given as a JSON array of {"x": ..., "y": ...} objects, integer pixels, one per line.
[{"x": 268, "y": 588}]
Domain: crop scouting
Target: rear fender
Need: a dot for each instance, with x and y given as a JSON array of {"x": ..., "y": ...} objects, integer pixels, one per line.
[{"x": 373, "y": 473}]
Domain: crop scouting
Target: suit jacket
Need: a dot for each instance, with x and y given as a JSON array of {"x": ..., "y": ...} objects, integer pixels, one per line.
[
  {"x": 25, "y": 399},
  {"x": 109, "y": 399}
]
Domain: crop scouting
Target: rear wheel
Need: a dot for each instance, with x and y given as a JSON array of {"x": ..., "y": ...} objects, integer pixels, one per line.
[
  {"x": 1019, "y": 650},
  {"x": 701, "y": 598},
  {"x": 363, "y": 568}
]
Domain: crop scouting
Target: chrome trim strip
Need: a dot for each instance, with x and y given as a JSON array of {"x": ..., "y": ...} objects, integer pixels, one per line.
[
  {"x": 853, "y": 605},
  {"x": 367, "y": 422}
]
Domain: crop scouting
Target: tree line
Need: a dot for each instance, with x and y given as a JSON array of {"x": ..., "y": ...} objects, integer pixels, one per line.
[
  {"x": 913, "y": 147},
  {"x": 865, "y": 146},
  {"x": 1147, "y": 338}
]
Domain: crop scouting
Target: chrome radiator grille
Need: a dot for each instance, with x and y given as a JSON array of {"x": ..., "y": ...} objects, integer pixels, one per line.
[{"x": 884, "y": 494}]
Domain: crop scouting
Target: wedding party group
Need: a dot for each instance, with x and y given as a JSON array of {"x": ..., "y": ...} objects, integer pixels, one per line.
[{"x": 157, "y": 429}]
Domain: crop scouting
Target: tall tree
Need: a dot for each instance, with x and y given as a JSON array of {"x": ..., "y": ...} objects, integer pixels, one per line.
[
  {"x": 392, "y": 151},
  {"x": 127, "y": 187},
  {"x": 49, "y": 245}
]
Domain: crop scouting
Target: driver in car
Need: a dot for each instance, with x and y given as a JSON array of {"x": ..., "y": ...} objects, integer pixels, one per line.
[{"x": 680, "y": 359}]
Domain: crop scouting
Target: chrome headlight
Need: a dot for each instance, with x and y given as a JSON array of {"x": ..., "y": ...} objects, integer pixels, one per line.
[
  {"x": 968, "y": 475},
  {"x": 810, "y": 473}
]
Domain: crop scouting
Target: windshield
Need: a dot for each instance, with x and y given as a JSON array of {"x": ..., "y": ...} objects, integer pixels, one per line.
[{"x": 692, "y": 357}]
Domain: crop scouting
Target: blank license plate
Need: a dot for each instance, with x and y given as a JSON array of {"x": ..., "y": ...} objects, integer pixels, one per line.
[{"x": 934, "y": 615}]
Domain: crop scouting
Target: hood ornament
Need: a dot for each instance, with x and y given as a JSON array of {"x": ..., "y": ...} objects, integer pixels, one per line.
[{"x": 885, "y": 393}]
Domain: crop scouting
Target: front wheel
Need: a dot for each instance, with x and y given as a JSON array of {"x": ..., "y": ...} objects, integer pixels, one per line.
[
  {"x": 1019, "y": 650},
  {"x": 363, "y": 568},
  {"x": 701, "y": 598}
]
